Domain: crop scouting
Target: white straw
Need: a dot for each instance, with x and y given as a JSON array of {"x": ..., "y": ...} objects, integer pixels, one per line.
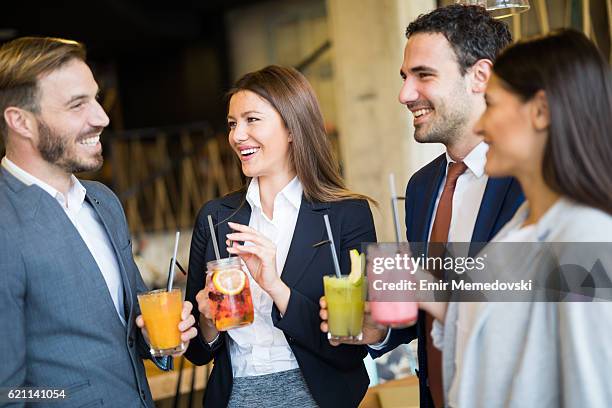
[
  {"x": 333, "y": 247},
  {"x": 394, "y": 209},
  {"x": 392, "y": 185},
  {"x": 173, "y": 262},
  {"x": 214, "y": 237}
]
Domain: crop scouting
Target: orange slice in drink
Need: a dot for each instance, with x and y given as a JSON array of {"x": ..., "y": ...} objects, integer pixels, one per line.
[{"x": 229, "y": 282}]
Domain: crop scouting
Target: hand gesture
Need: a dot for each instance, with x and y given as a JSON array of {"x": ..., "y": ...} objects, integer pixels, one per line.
[{"x": 260, "y": 257}]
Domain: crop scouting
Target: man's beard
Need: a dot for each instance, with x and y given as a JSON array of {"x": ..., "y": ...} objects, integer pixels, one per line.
[
  {"x": 54, "y": 149},
  {"x": 445, "y": 129},
  {"x": 451, "y": 116}
]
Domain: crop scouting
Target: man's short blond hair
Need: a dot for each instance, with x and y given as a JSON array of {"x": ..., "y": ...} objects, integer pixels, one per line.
[{"x": 23, "y": 61}]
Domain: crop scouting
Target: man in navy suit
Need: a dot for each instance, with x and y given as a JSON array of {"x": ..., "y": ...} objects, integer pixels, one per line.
[{"x": 447, "y": 62}]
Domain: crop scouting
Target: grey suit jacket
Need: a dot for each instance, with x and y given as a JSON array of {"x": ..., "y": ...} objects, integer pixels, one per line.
[
  {"x": 538, "y": 354},
  {"x": 60, "y": 328}
]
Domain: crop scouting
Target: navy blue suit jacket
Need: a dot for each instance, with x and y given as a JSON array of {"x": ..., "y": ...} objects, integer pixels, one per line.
[
  {"x": 336, "y": 376},
  {"x": 501, "y": 199}
]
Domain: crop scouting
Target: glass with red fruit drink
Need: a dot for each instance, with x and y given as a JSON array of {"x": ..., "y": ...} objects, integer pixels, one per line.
[{"x": 230, "y": 294}]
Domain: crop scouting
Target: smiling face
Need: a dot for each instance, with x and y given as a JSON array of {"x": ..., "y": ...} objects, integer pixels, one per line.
[
  {"x": 258, "y": 135},
  {"x": 434, "y": 90},
  {"x": 510, "y": 128},
  {"x": 70, "y": 119}
]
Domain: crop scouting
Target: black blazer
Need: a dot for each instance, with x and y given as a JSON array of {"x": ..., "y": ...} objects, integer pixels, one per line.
[
  {"x": 336, "y": 376},
  {"x": 501, "y": 199}
]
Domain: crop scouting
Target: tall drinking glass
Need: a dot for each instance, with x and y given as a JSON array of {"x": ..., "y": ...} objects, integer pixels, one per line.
[
  {"x": 345, "y": 304},
  {"x": 396, "y": 314},
  {"x": 161, "y": 311}
]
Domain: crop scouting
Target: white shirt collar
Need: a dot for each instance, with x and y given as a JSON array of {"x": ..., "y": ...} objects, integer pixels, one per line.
[
  {"x": 292, "y": 192},
  {"x": 76, "y": 194},
  {"x": 475, "y": 160}
]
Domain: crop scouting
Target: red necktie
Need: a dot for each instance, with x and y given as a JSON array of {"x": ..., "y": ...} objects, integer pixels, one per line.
[{"x": 437, "y": 241}]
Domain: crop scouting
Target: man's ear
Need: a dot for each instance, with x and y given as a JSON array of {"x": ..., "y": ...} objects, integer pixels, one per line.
[
  {"x": 540, "y": 114},
  {"x": 481, "y": 73},
  {"x": 20, "y": 121}
]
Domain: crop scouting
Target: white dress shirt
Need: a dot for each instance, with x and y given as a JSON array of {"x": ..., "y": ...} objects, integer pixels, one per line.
[
  {"x": 89, "y": 226},
  {"x": 261, "y": 348},
  {"x": 467, "y": 197}
]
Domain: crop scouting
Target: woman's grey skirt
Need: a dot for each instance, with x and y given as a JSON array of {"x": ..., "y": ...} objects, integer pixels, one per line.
[{"x": 285, "y": 389}]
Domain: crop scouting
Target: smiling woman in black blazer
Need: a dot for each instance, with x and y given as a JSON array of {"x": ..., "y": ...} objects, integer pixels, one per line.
[{"x": 282, "y": 359}]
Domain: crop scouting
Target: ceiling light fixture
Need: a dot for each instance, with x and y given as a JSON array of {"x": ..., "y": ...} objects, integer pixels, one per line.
[{"x": 499, "y": 8}]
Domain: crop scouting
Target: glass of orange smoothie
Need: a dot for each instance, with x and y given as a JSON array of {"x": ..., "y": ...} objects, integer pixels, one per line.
[{"x": 161, "y": 311}]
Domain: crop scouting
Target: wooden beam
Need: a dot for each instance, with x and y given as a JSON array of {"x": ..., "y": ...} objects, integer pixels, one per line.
[
  {"x": 516, "y": 26},
  {"x": 567, "y": 18},
  {"x": 191, "y": 198},
  {"x": 586, "y": 17},
  {"x": 543, "y": 20}
]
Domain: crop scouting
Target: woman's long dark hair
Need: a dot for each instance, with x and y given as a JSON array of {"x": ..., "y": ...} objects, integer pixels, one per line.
[{"x": 577, "y": 160}]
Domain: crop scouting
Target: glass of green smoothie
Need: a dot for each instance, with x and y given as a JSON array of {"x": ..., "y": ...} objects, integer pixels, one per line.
[{"x": 345, "y": 298}]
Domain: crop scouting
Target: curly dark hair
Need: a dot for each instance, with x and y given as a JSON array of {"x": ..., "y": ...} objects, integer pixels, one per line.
[{"x": 470, "y": 30}]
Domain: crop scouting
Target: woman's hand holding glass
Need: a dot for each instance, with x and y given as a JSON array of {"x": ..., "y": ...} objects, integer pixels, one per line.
[
  {"x": 260, "y": 260},
  {"x": 207, "y": 324}
]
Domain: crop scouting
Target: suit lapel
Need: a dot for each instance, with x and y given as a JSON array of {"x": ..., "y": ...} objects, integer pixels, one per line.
[
  {"x": 424, "y": 218},
  {"x": 51, "y": 222},
  {"x": 309, "y": 230},
  {"x": 490, "y": 207},
  {"x": 105, "y": 215},
  {"x": 235, "y": 209},
  {"x": 51, "y": 219}
]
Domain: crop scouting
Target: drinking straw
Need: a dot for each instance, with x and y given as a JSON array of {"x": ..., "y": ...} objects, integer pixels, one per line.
[
  {"x": 213, "y": 237},
  {"x": 394, "y": 209},
  {"x": 333, "y": 247},
  {"x": 173, "y": 262}
]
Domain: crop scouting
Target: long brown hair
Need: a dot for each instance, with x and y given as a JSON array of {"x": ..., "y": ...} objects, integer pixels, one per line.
[
  {"x": 577, "y": 82},
  {"x": 290, "y": 94}
]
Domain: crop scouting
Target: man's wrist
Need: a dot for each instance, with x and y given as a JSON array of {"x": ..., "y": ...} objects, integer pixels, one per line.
[
  {"x": 211, "y": 343},
  {"x": 383, "y": 341}
]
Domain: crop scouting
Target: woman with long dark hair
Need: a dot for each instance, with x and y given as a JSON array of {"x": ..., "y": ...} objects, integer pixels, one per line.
[
  {"x": 547, "y": 123},
  {"x": 282, "y": 359}
]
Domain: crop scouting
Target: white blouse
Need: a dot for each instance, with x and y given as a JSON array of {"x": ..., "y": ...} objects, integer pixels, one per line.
[{"x": 261, "y": 348}]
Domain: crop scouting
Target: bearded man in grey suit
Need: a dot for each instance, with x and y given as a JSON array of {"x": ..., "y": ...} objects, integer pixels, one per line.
[{"x": 68, "y": 283}]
